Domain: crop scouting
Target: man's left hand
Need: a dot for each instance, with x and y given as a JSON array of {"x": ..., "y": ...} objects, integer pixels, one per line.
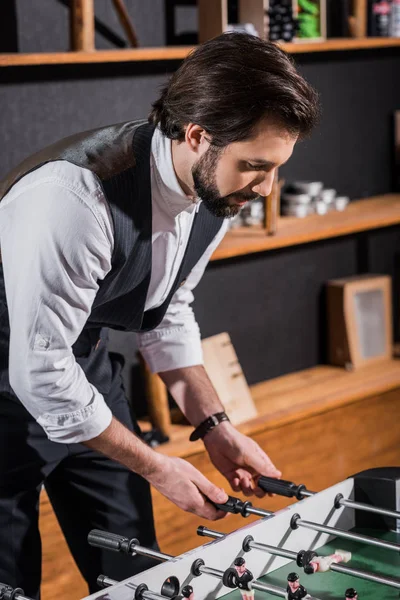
[{"x": 239, "y": 458}]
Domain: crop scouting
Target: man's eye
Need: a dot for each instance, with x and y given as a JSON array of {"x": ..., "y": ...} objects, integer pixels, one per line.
[{"x": 255, "y": 167}]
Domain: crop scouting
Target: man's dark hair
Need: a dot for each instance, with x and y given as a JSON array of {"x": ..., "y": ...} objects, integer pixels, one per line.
[{"x": 229, "y": 84}]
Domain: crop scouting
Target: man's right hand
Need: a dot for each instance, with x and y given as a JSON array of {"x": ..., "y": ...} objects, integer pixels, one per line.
[
  {"x": 185, "y": 486},
  {"x": 175, "y": 478}
]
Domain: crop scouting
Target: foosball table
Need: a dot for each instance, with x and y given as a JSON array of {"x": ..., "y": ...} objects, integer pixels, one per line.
[{"x": 338, "y": 544}]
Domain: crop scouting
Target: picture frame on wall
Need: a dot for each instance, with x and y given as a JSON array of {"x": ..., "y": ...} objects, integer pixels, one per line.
[{"x": 360, "y": 326}]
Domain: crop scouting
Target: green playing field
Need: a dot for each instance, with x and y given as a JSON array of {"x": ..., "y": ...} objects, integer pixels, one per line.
[{"x": 331, "y": 586}]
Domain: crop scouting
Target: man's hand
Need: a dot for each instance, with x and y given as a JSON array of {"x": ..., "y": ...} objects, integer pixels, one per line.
[
  {"x": 175, "y": 478},
  {"x": 186, "y": 487},
  {"x": 239, "y": 458}
]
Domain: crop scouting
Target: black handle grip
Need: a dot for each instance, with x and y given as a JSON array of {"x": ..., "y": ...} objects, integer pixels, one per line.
[
  {"x": 231, "y": 506},
  {"x": 234, "y": 506},
  {"x": 109, "y": 541},
  {"x": 280, "y": 487}
]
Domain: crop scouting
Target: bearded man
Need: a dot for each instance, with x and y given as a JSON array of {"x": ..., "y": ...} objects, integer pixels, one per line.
[{"x": 113, "y": 228}]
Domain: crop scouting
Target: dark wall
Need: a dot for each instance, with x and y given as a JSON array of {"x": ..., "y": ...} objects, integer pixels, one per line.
[
  {"x": 271, "y": 303},
  {"x": 352, "y": 149}
]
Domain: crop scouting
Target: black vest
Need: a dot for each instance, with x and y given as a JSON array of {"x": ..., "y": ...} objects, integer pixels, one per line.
[{"x": 119, "y": 155}]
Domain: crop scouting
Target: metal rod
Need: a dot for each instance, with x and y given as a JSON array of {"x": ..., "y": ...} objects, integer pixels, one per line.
[
  {"x": 211, "y": 533},
  {"x": 149, "y": 595},
  {"x": 272, "y": 589},
  {"x": 256, "y": 545},
  {"x": 254, "y": 584},
  {"x": 276, "y": 591},
  {"x": 307, "y": 493},
  {"x": 105, "y": 581},
  {"x": 357, "y": 537},
  {"x": 368, "y": 508},
  {"x": 272, "y": 550},
  {"x": 211, "y": 571},
  {"x": 339, "y": 568},
  {"x": 136, "y": 548},
  {"x": 359, "y": 506},
  {"x": 259, "y": 512},
  {"x": 390, "y": 581}
]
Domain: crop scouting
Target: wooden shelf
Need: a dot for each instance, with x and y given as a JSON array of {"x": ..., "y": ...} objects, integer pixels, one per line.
[
  {"x": 339, "y": 44},
  {"x": 299, "y": 396},
  {"x": 179, "y": 52},
  {"x": 97, "y": 56},
  {"x": 360, "y": 215}
]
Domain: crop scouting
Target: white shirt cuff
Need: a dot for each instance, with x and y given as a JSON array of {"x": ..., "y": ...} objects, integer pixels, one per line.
[
  {"x": 78, "y": 426},
  {"x": 179, "y": 348}
]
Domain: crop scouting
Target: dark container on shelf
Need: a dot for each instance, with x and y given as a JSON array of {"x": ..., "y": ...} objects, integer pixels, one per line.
[
  {"x": 379, "y": 18},
  {"x": 338, "y": 12}
]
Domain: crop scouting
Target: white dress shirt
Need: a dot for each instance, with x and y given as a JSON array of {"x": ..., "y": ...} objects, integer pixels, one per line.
[{"x": 56, "y": 237}]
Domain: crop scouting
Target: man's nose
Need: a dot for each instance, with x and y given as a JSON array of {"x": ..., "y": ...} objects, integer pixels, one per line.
[{"x": 264, "y": 187}]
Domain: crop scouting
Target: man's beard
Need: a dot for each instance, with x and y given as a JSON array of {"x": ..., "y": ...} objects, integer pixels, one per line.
[{"x": 204, "y": 179}]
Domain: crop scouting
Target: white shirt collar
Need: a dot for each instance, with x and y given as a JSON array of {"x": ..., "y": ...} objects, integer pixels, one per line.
[{"x": 165, "y": 177}]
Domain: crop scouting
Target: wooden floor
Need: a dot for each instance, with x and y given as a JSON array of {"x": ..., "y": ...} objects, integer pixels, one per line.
[{"x": 353, "y": 426}]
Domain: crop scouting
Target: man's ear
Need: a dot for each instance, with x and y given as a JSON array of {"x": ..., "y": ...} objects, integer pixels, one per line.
[{"x": 196, "y": 137}]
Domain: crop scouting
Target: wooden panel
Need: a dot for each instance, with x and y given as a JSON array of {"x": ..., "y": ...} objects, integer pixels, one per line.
[
  {"x": 82, "y": 25},
  {"x": 358, "y": 21},
  {"x": 396, "y": 150},
  {"x": 100, "y": 56},
  {"x": 318, "y": 451},
  {"x": 297, "y": 396},
  {"x": 339, "y": 44},
  {"x": 224, "y": 370},
  {"x": 157, "y": 399},
  {"x": 213, "y": 18},
  {"x": 362, "y": 215},
  {"x": 252, "y": 11},
  {"x": 126, "y": 22},
  {"x": 180, "y": 52}
]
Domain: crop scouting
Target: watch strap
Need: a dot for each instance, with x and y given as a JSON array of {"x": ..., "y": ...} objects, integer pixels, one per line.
[{"x": 208, "y": 425}]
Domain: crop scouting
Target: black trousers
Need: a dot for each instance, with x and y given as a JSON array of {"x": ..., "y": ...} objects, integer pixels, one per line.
[{"x": 86, "y": 489}]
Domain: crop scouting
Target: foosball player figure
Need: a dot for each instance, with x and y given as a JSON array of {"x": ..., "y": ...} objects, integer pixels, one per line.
[
  {"x": 244, "y": 578},
  {"x": 322, "y": 564},
  {"x": 294, "y": 590},
  {"x": 187, "y": 592},
  {"x": 351, "y": 594}
]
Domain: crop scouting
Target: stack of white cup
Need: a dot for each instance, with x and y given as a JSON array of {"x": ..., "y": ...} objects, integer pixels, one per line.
[{"x": 309, "y": 197}]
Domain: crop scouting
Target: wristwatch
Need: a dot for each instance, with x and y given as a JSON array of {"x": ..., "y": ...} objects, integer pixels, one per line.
[{"x": 208, "y": 425}]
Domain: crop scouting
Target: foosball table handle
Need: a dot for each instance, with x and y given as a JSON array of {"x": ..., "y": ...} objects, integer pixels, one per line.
[
  {"x": 111, "y": 541},
  {"x": 234, "y": 506},
  {"x": 281, "y": 487}
]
